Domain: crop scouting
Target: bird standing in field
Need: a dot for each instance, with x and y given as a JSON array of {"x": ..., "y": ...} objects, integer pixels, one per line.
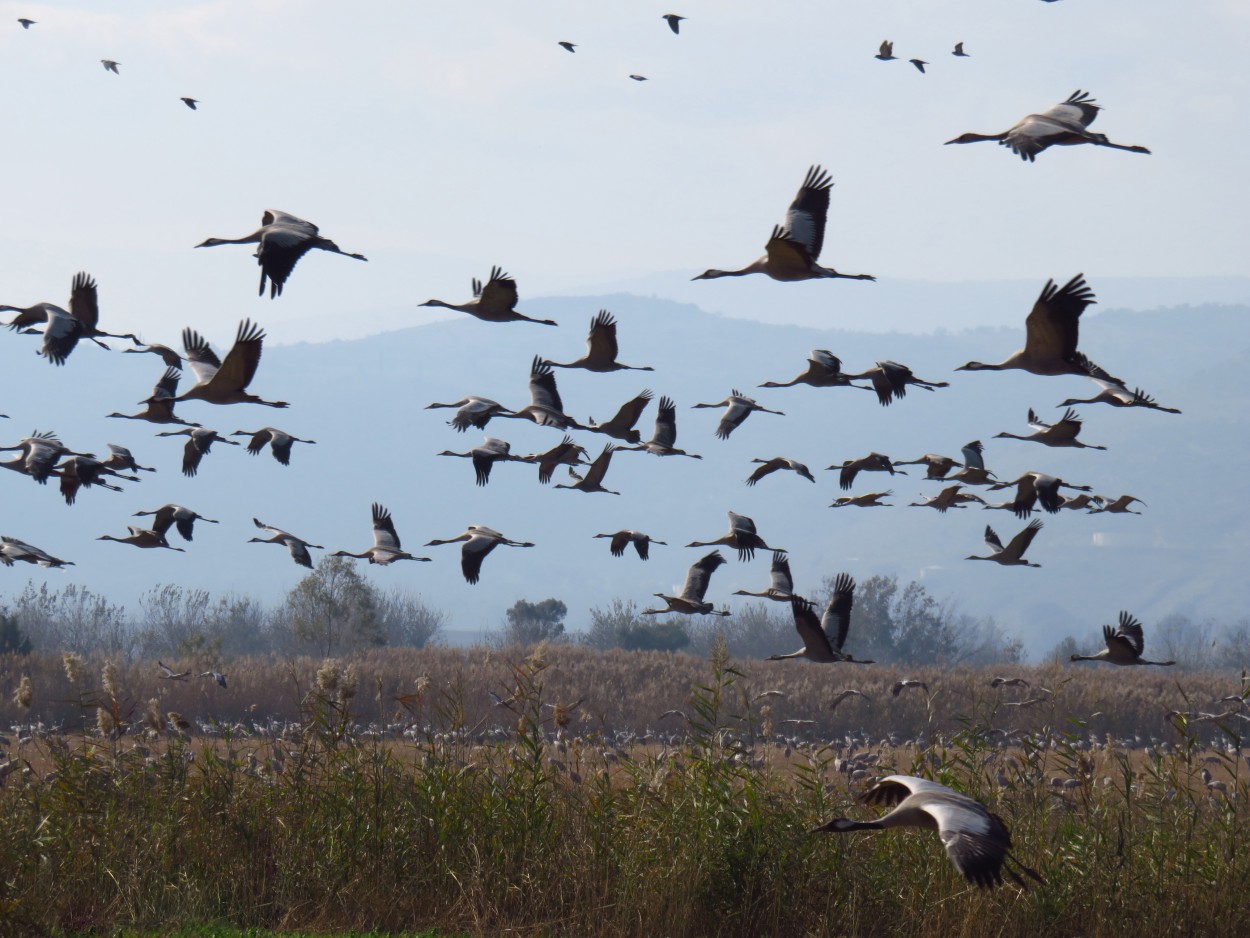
[
  {"x": 738, "y": 407},
  {"x": 1124, "y": 645},
  {"x": 283, "y": 239},
  {"x": 278, "y": 441},
  {"x": 977, "y": 841},
  {"x": 664, "y": 438},
  {"x": 297, "y": 546},
  {"x": 479, "y": 541},
  {"x": 493, "y": 302},
  {"x": 769, "y": 466},
  {"x": 742, "y": 537},
  {"x": 793, "y": 248},
  {"x": 199, "y": 442},
  {"x": 386, "y": 544},
  {"x": 1065, "y": 124},
  {"x": 690, "y": 600},
  {"x": 601, "y": 348},
  {"x": 1013, "y": 554},
  {"x": 622, "y": 539}
]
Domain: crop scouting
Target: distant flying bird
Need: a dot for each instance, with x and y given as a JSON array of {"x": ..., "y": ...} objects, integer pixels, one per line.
[
  {"x": 297, "y": 546},
  {"x": 190, "y": 102},
  {"x": 974, "y": 471},
  {"x": 919, "y": 63},
  {"x": 121, "y": 458},
  {"x": 63, "y": 328},
  {"x": 870, "y": 500},
  {"x": 1009, "y": 682},
  {"x": 170, "y": 674},
  {"x": 473, "y": 411},
  {"x": 622, "y": 539},
  {"x": 959, "y": 51},
  {"x": 26, "y": 24},
  {"x": 564, "y": 453},
  {"x": 779, "y": 462},
  {"x": 1064, "y": 124},
  {"x": 160, "y": 405},
  {"x": 1013, "y": 554},
  {"x": 225, "y": 382},
  {"x": 621, "y": 426},
  {"x": 936, "y": 467},
  {"x": 141, "y": 537},
  {"x": 846, "y": 695},
  {"x": 12, "y": 550},
  {"x": 907, "y": 684},
  {"x": 690, "y": 600},
  {"x": 1119, "y": 396},
  {"x": 1062, "y": 433},
  {"x": 569, "y": 46},
  {"x": 110, "y": 66},
  {"x": 592, "y": 481},
  {"x": 283, "y": 240},
  {"x": 886, "y": 52},
  {"x": 171, "y": 358},
  {"x": 824, "y": 370},
  {"x": 1124, "y": 645},
  {"x": 494, "y": 301},
  {"x": 386, "y": 545},
  {"x": 84, "y": 472},
  {"x": 601, "y": 349},
  {"x": 638, "y": 77},
  {"x": 780, "y": 581},
  {"x": 793, "y": 248},
  {"x": 39, "y": 454},
  {"x": 278, "y": 441},
  {"x": 742, "y": 537},
  {"x": 949, "y": 497},
  {"x": 217, "y": 676},
  {"x": 824, "y": 638},
  {"x": 174, "y": 516},
  {"x": 545, "y": 408},
  {"x": 1052, "y": 331},
  {"x": 199, "y": 442},
  {"x": 674, "y": 22},
  {"x": 738, "y": 407},
  {"x": 890, "y": 380},
  {"x": 1118, "y": 507},
  {"x": 485, "y": 455},
  {"x": 479, "y": 541},
  {"x": 873, "y": 462},
  {"x": 977, "y": 842},
  {"x": 1035, "y": 487},
  {"x": 664, "y": 438}
]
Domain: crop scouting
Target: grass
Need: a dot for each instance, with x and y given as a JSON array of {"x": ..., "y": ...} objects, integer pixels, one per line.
[{"x": 556, "y": 825}]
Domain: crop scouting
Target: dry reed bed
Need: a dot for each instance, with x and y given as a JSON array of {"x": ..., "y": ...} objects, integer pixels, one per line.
[
  {"x": 631, "y": 690},
  {"x": 525, "y": 833}
]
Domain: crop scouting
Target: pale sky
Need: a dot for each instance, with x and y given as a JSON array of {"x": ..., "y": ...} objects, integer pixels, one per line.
[{"x": 442, "y": 138}]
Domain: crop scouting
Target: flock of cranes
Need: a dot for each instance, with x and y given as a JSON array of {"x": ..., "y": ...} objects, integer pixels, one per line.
[{"x": 977, "y": 842}]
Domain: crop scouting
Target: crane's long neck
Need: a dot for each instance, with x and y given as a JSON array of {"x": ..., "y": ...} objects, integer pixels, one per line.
[
  {"x": 801, "y": 653},
  {"x": 253, "y": 238},
  {"x": 1098, "y": 657},
  {"x": 459, "y": 307},
  {"x": 977, "y": 138}
]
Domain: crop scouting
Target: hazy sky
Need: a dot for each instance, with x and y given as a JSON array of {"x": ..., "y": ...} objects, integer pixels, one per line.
[{"x": 442, "y": 138}]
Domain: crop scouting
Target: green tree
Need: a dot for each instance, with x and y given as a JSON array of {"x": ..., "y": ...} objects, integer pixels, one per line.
[
  {"x": 12, "y": 639},
  {"x": 335, "y": 608},
  {"x": 619, "y": 626},
  {"x": 530, "y": 623}
]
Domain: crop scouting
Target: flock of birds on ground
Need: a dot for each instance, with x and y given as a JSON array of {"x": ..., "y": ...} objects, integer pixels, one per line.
[{"x": 977, "y": 841}]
